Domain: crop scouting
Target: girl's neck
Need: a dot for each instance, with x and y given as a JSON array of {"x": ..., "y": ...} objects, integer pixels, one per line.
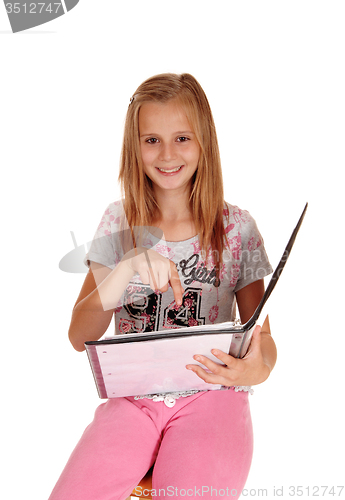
[
  {"x": 175, "y": 218},
  {"x": 173, "y": 206}
]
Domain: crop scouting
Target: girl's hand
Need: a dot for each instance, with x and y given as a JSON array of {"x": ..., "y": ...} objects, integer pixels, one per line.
[
  {"x": 250, "y": 370},
  {"x": 155, "y": 270}
]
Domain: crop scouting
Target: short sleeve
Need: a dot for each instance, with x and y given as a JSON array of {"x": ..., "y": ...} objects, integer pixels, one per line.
[
  {"x": 246, "y": 247},
  {"x": 105, "y": 247}
]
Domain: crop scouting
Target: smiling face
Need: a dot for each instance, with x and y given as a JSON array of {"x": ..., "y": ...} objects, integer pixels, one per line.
[{"x": 169, "y": 149}]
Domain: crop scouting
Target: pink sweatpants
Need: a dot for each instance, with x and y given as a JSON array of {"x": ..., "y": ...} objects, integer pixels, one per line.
[{"x": 201, "y": 447}]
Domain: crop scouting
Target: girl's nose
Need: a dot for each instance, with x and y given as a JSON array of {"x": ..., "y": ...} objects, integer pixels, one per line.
[{"x": 167, "y": 152}]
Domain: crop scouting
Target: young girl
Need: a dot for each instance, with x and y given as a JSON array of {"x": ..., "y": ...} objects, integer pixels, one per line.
[{"x": 210, "y": 257}]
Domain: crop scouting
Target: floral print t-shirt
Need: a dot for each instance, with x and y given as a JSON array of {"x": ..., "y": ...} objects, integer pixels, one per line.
[{"x": 207, "y": 298}]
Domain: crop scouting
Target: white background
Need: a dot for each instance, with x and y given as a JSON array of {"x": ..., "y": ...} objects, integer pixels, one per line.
[{"x": 274, "y": 75}]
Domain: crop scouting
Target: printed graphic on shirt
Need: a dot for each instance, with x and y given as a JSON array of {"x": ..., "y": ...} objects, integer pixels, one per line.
[
  {"x": 195, "y": 271},
  {"x": 143, "y": 307},
  {"x": 188, "y": 314}
]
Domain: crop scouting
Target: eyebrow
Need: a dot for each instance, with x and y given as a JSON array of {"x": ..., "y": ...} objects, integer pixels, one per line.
[{"x": 174, "y": 133}]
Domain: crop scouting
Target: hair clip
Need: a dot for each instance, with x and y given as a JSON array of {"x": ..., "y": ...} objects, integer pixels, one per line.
[{"x": 131, "y": 100}]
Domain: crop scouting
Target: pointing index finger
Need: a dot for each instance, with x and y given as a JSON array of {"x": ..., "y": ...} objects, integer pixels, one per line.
[
  {"x": 151, "y": 270},
  {"x": 175, "y": 284}
]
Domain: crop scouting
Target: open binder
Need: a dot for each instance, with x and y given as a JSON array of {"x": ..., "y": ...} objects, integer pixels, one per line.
[{"x": 154, "y": 363}]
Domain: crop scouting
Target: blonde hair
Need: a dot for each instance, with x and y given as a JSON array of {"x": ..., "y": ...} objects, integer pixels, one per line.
[{"x": 206, "y": 198}]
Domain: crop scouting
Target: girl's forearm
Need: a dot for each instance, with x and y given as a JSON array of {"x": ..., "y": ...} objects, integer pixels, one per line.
[
  {"x": 268, "y": 350},
  {"x": 268, "y": 346},
  {"x": 92, "y": 315}
]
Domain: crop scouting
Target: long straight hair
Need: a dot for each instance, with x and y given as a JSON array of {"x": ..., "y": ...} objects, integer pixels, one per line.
[{"x": 206, "y": 197}]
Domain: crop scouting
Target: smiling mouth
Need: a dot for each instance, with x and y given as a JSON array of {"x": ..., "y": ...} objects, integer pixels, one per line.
[{"x": 171, "y": 170}]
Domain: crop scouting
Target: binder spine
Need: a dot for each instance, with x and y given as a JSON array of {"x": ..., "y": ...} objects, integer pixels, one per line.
[
  {"x": 97, "y": 371},
  {"x": 247, "y": 336}
]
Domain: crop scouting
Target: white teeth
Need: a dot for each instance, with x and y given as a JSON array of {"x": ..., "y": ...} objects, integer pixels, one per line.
[{"x": 169, "y": 171}]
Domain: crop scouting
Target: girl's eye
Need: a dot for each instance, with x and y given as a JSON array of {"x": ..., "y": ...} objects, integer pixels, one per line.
[
  {"x": 183, "y": 139},
  {"x": 152, "y": 140}
]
